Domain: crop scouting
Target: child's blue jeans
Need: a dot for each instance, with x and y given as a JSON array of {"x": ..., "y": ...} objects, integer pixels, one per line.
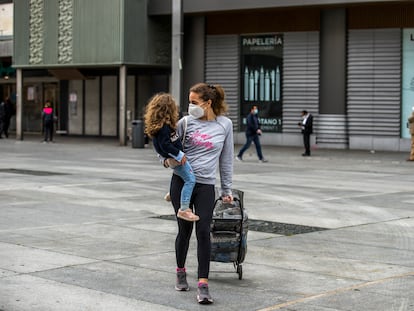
[{"x": 186, "y": 173}]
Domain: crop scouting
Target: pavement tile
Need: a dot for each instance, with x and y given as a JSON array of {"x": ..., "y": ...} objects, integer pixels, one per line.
[
  {"x": 30, "y": 293},
  {"x": 23, "y": 259},
  {"x": 80, "y": 230}
]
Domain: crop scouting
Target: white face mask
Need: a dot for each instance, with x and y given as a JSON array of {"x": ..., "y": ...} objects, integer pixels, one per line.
[{"x": 195, "y": 111}]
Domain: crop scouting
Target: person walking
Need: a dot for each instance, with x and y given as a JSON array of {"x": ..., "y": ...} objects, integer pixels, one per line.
[
  {"x": 253, "y": 133},
  {"x": 161, "y": 117},
  {"x": 411, "y": 127},
  {"x": 307, "y": 129},
  {"x": 208, "y": 144},
  {"x": 48, "y": 118}
]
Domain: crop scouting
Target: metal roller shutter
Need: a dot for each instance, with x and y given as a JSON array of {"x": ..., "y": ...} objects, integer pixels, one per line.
[
  {"x": 222, "y": 67},
  {"x": 300, "y": 77},
  {"x": 332, "y": 131},
  {"x": 374, "y": 82},
  {"x": 300, "y": 81}
]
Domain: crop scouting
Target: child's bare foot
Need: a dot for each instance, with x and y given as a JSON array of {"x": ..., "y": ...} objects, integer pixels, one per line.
[{"x": 187, "y": 215}]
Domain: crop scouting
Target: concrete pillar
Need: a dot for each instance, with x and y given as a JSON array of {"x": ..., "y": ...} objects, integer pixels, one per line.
[
  {"x": 176, "y": 53},
  {"x": 193, "y": 50},
  {"x": 19, "y": 104},
  {"x": 331, "y": 124},
  {"x": 122, "y": 105},
  {"x": 333, "y": 62}
]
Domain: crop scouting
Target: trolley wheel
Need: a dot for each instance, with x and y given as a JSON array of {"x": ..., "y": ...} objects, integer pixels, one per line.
[{"x": 240, "y": 271}]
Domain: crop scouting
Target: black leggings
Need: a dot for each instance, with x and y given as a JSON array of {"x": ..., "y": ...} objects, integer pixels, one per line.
[{"x": 203, "y": 202}]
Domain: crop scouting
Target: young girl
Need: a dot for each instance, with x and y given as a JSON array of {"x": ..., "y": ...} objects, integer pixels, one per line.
[{"x": 161, "y": 119}]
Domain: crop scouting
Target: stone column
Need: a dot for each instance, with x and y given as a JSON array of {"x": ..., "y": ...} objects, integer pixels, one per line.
[
  {"x": 19, "y": 104},
  {"x": 122, "y": 105},
  {"x": 176, "y": 53}
]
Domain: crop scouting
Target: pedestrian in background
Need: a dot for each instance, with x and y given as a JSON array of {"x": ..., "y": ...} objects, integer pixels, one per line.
[
  {"x": 253, "y": 133},
  {"x": 48, "y": 119},
  {"x": 208, "y": 144},
  {"x": 411, "y": 127},
  {"x": 307, "y": 129},
  {"x": 6, "y": 113},
  {"x": 2, "y": 114}
]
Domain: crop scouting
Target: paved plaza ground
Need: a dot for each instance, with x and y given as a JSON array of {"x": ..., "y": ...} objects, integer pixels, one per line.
[{"x": 83, "y": 226}]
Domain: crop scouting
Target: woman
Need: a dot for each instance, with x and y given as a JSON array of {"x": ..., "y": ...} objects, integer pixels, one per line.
[{"x": 208, "y": 145}]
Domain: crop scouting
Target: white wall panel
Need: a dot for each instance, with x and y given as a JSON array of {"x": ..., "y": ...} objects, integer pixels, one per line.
[
  {"x": 75, "y": 116},
  {"x": 109, "y": 105},
  {"x": 92, "y": 107}
]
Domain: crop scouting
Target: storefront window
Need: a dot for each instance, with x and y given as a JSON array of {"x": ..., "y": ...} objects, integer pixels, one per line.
[
  {"x": 261, "y": 79},
  {"x": 407, "y": 80}
]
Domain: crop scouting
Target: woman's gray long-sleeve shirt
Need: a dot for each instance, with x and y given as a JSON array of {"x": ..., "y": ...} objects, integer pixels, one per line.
[{"x": 209, "y": 146}]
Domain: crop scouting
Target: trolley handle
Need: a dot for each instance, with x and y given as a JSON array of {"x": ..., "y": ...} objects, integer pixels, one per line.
[{"x": 234, "y": 199}]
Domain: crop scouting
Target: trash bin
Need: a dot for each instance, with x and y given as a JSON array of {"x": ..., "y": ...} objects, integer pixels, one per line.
[{"x": 137, "y": 134}]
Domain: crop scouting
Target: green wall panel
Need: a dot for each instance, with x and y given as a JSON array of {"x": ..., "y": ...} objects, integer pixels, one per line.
[
  {"x": 50, "y": 39},
  {"x": 97, "y": 32},
  {"x": 89, "y": 33},
  {"x": 21, "y": 32},
  {"x": 159, "y": 40},
  {"x": 135, "y": 31}
]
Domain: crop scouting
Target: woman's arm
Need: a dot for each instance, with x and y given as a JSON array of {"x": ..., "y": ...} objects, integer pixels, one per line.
[{"x": 226, "y": 160}]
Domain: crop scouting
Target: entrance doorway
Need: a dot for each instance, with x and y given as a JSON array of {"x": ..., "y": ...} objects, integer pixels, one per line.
[{"x": 34, "y": 97}]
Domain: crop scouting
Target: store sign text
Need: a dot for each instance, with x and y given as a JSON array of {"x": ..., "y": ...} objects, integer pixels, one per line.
[{"x": 263, "y": 41}]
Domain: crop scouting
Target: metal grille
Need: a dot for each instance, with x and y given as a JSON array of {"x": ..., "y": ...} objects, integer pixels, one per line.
[
  {"x": 222, "y": 67},
  {"x": 332, "y": 131},
  {"x": 374, "y": 82},
  {"x": 301, "y": 74},
  {"x": 301, "y": 77}
]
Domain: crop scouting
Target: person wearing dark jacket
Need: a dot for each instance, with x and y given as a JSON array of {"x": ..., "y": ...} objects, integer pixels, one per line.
[
  {"x": 2, "y": 114},
  {"x": 253, "y": 132},
  {"x": 6, "y": 112},
  {"x": 307, "y": 129},
  {"x": 48, "y": 117}
]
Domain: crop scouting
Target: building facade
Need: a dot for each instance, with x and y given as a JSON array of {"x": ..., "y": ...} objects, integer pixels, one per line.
[
  {"x": 350, "y": 63},
  {"x": 6, "y": 50},
  {"x": 97, "y": 61}
]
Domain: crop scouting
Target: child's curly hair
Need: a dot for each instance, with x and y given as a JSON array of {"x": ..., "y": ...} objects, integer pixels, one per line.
[{"x": 160, "y": 110}]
